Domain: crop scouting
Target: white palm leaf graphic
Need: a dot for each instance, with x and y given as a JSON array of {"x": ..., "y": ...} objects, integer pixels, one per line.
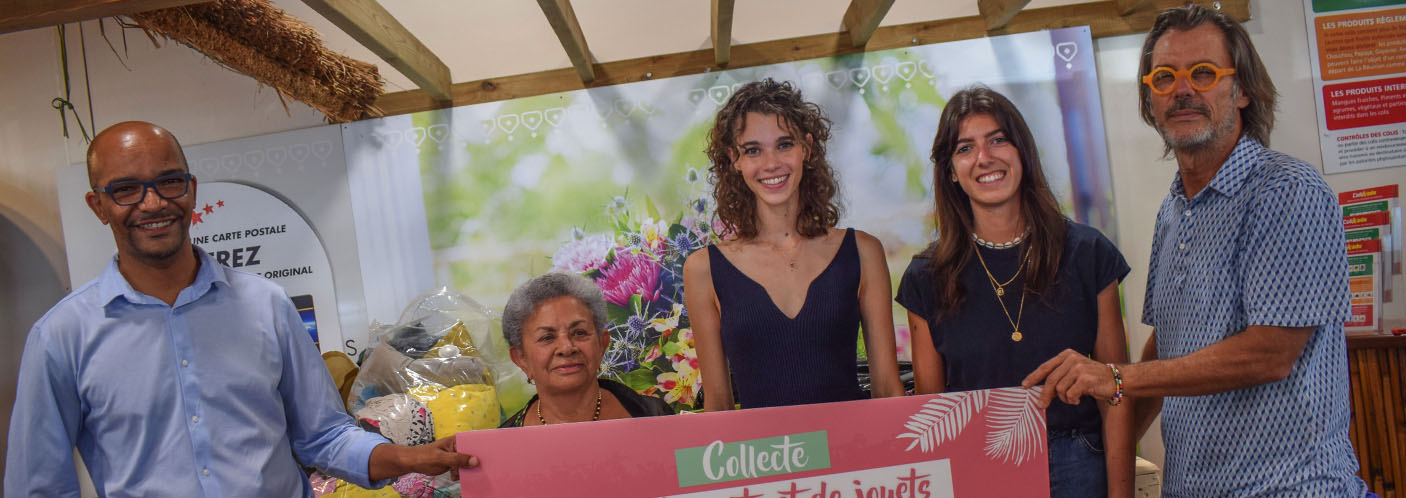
[
  {"x": 941, "y": 419},
  {"x": 1014, "y": 425}
]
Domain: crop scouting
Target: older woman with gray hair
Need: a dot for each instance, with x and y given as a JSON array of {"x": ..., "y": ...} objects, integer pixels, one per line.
[{"x": 555, "y": 328}]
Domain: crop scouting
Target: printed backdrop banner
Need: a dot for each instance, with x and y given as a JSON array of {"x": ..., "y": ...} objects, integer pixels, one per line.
[
  {"x": 246, "y": 228},
  {"x": 967, "y": 444},
  {"x": 612, "y": 182}
]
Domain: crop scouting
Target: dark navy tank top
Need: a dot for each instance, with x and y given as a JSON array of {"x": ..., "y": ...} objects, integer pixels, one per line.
[{"x": 779, "y": 361}]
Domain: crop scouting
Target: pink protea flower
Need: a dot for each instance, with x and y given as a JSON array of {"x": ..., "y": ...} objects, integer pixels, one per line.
[
  {"x": 584, "y": 255},
  {"x": 631, "y": 274}
]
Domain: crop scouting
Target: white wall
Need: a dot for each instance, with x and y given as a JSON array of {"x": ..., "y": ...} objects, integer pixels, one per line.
[{"x": 202, "y": 102}]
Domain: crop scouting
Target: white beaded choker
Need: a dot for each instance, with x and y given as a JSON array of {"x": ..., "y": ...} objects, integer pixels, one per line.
[{"x": 1002, "y": 245}]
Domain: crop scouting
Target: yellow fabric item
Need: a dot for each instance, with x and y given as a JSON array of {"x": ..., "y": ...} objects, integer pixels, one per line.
[
  {"x": 457, "y": 336},
  {"x": 343, "y": 371},
  {"x": 460, "y": 408},
  {"x": 349, "y": 490},
  {"x": 425, "y": 392}
]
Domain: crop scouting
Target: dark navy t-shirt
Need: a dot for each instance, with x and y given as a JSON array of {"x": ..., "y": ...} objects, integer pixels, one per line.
[{"x": 975, "y": 341}]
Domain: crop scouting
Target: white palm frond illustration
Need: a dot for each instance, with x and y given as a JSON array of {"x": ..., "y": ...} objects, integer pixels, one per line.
[
  {"x": 1015, "y": 425},
  {"x": 942, "y": 419}
]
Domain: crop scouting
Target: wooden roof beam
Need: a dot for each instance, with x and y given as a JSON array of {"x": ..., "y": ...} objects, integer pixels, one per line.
[
  {"x": 998, "y": 13},
  {"x": 722, "y": 31},
  {"x": 1100, "y": 16},
  {"x": 370, "y": 25},
  {"x": 863, "y": 17},
  {"x": 1126, "y": 7},
  {"x": 563, "y": 21},
  {"x": 20, "y": 15}
]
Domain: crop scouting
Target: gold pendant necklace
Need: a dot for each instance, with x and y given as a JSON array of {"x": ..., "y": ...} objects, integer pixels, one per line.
[
  {"x": 1000, "y": 290},
  {"x": 593, "y": 417}
]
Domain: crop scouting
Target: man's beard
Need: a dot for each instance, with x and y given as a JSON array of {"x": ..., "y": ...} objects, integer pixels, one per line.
[{"x": 1198, "y": 140}]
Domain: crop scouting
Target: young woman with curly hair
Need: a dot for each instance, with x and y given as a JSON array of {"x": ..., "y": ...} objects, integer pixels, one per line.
[{"x": 776, "y": 307}]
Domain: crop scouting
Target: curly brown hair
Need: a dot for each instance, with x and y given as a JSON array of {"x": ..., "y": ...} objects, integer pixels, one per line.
[{"x": 736, "y": 204}]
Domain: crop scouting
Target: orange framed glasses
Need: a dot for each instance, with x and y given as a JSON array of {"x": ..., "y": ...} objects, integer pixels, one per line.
[{"x": 1201, "y": 77}]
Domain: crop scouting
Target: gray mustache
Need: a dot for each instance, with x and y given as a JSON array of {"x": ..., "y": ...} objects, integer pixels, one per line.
[{"x": 1185, "y": 103}]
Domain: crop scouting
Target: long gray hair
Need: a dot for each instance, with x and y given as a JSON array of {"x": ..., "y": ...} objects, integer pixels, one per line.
[{"x": 525, "y": 300}]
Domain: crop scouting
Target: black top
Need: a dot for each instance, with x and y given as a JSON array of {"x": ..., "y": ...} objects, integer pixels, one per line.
[
  {"x": 975, "y": 341},
  {"x": 636, "y": 404},
  {"x": 779, "y": 361}
]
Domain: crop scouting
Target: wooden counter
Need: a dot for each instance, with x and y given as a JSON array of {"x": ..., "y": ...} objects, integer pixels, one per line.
[{"x": 1376, "y": 365}]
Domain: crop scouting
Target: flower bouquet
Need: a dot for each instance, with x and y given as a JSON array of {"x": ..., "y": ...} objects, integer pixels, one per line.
[{"x": 639, "y": 267}]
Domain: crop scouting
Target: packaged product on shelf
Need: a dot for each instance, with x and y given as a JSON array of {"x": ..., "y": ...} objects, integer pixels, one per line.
[{"x": 1364, "y": 281}]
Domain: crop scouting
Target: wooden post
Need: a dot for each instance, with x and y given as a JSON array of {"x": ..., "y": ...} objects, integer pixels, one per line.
[
  {"x": 722, "y": 31},
  {"x": 863, "y": 17},
  {"x": 370, "y": 25},
  {"x": 563, "y": 21}
]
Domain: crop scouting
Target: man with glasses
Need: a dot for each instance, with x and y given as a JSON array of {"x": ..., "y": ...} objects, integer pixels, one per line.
[
  {"x": 174, "y": 376},
  {"x": 1247, "y": 290}
]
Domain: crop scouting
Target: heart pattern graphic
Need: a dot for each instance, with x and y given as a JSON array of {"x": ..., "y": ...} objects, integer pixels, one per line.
[
  {"x": 532, "y": 119},
  {"x": 254, "y": 158},
  {"x": 837, "y": 79},
  {"x": 554, "y": 115},
  {"x": 508, "y": 123},
  {"x": 299, "y": 152},
  {"x": 624, "y": 107},
  {"x": 437, "y": 132},
  {"x": 277, "y": 155},
  {"x": 924, "y": 68},
  {"x": 860, "y": 76},
  {"x": 719, "y": 94},
  {"x": 883, "y": 73},
  {"x": 322, "y": 150},
  {"x": 906, "y": 70}
]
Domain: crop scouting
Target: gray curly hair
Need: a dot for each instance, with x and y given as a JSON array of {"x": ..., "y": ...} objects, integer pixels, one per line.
[{"x": 525, "y": 300}]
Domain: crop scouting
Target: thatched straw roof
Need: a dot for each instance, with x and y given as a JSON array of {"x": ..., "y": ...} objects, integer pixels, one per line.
[{"x": 257, "y": 39}]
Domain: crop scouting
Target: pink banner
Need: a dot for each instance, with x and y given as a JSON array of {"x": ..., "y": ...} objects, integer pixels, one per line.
[{"x": 967, "y": 444}]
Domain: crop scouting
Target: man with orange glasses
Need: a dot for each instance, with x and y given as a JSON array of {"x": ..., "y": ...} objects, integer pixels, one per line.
[{"x": 1247, "y": 290}]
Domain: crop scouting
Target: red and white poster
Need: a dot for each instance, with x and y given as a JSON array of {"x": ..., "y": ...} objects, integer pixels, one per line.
[
  {"x": 965, "y": 444},
  {"x": 1358, "y": 53}
]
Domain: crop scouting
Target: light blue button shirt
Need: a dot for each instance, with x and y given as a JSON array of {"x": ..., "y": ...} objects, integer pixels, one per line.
[
  {"x": 1262, "y": 244},
  {"x": 212, "y": 397}
]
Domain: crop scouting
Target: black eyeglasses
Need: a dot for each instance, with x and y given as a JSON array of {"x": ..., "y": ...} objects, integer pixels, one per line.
[{"x": 131, "y": 192}]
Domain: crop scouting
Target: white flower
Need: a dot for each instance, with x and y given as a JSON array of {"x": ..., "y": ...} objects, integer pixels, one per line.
[{"x": 583, "y": 255}]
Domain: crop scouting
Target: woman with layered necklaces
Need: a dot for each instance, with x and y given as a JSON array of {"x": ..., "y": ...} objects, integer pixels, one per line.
[{"x": 1010, "y": 282}]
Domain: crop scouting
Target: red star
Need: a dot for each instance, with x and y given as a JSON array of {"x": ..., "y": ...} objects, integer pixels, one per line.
[
  {"x": 208, "y": 209},
  {"x": 220, "y": 203},
  {"x": 195, "y": 218}
]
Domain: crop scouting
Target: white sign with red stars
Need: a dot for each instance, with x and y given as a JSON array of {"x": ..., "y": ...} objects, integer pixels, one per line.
[{"x": 248, "y": 229}]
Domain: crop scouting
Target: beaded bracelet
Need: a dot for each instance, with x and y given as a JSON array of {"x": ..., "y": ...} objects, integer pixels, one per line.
[{"x": 1117, "y": 398}]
